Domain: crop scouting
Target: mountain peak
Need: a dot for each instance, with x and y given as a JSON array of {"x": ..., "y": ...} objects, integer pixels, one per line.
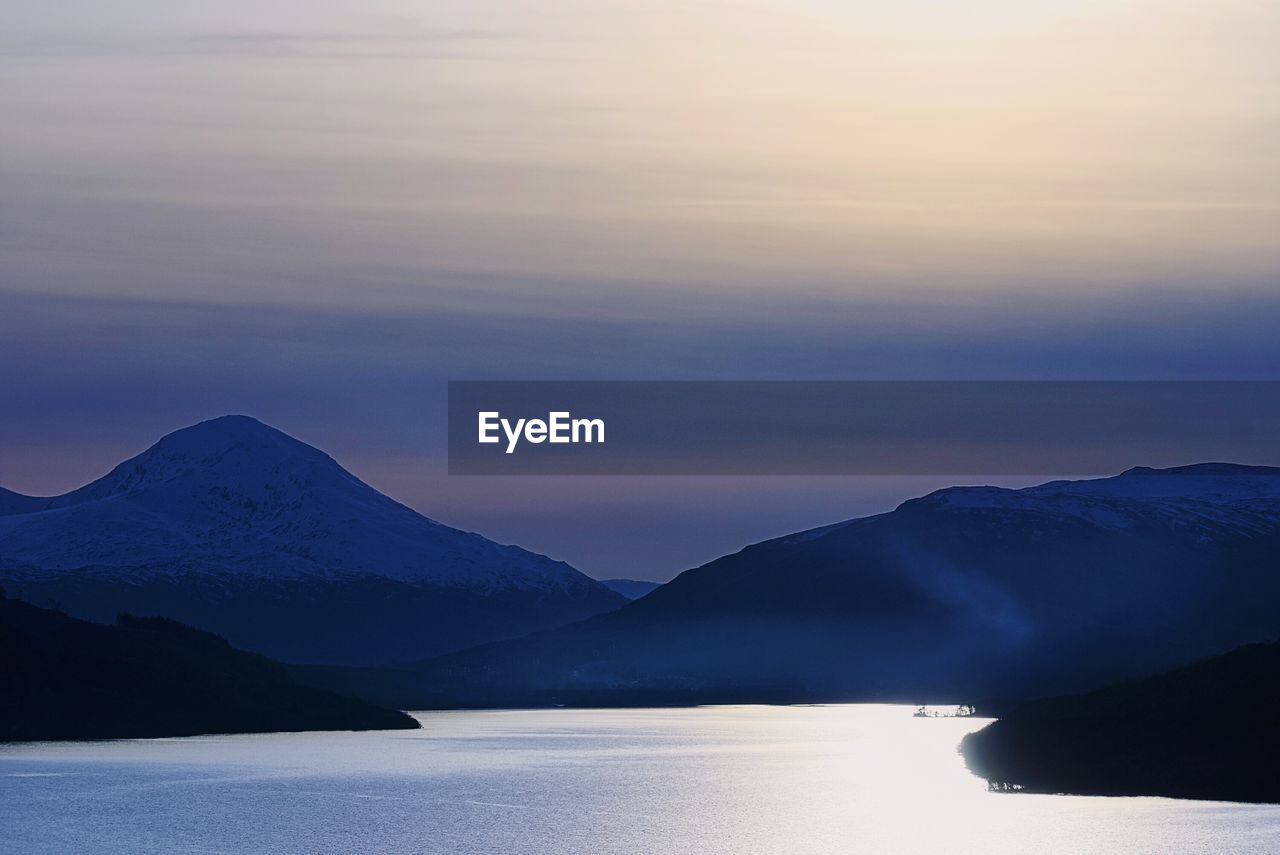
[
  {"x": 232, "y": 494},
  {"x": 225, "y": 432},
  {"x": 1200, "y": 483},
  {"x": 1212, "y": 482},
  {"x": 1236, "y": 469},
  {"x": 231, "y": 422},
  {"x": 232, "y": 451}
]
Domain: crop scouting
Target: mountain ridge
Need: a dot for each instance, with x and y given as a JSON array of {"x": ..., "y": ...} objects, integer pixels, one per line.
[
  {"x": 966, "y": 592},
  {"x": 632, "y": 589},
  {"x": 261, "y": 473},
  {"x": 231, "y": 515},
  {"x": 64, "y": 678}
]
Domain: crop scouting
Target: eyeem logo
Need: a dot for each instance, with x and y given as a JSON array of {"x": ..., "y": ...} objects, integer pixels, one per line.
[{"x": 559, "y": 427}]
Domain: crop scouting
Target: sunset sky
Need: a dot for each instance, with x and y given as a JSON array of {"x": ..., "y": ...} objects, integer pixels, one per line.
[{"x": 318, "y": 216}]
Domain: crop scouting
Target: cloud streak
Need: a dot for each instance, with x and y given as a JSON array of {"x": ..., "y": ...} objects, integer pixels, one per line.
[{"x": 318, "y": 217}]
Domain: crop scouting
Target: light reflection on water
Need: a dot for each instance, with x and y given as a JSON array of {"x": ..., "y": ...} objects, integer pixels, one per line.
[{"x": 711, "y": 780}]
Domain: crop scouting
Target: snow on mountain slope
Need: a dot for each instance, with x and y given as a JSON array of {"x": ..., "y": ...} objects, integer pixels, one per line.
[
  {"x": 1206, "y": 495},
  {"x": 967, "y": 592},
  {"x": 235, "y": 496},
  {"x": 237, "y": 528},
  {"x": 16, "y": 503},
  {"x": 1210, "y": 482}
]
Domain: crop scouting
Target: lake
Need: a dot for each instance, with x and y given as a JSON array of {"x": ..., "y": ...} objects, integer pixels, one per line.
[{"x": 856, "y": 778}]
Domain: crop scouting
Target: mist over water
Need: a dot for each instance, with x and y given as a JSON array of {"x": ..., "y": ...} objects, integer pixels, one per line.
[{"x": 706, "y": 780}]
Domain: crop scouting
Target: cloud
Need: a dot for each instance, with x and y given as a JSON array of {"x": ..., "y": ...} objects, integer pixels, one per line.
[{"x": 319, "y": 215}]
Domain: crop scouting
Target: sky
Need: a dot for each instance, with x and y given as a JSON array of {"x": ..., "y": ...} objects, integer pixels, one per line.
[{"x": 318, "y": 213}]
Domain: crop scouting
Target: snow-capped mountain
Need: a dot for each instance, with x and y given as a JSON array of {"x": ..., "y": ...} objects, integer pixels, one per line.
[
  {"x": 966, "y": 593},
  {"x": 238, "y": 528}
]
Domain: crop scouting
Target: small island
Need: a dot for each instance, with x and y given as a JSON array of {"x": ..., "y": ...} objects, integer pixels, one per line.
[
  {"x": 1206, "y": 731},
  {"x": 63, "y": 678}
]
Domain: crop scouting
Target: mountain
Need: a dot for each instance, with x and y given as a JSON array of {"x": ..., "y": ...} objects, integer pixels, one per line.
[
  {"x": 237, "y": 528},
  {"x": 632, "y": 589},
  {"x": 1208, "y": 731},
  {"x": 62, "y": 678},
  {"x": 16, "y": 503},
  {"x": 967, "y": 593}
]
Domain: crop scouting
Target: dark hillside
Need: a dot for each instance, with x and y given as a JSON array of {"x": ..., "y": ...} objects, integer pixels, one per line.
[{"x": 63, "y": 678}]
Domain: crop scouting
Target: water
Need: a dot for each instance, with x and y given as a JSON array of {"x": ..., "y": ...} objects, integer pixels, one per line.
[{"x": 860, "y": 779}]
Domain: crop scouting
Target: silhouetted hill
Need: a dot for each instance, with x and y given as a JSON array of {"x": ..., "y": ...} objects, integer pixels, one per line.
[
  {"x": 632, "y": 589},
  {"x": 971, "y": 592},
  {"x": 1208, "y": 731},
  {"x": 237, "y": 528},
  {"x": 63, "y": 678},
  {"x": 398, "y": 688}
]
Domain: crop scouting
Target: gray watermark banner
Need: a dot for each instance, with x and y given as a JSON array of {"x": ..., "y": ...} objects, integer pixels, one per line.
[{"x": 856, "y": 427}]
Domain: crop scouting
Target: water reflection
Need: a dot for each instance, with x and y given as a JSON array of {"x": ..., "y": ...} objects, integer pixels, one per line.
[{"x": 716, "y": 779}]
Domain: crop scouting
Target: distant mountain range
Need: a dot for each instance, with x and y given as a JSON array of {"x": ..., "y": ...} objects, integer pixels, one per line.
[
  {"x": 62, "y": 678},
  {"x": 632, "y": 589},
  {"x": 1206, "y": 731},
  {"x": 234, "y": 527},
  {"x": 968, "y": 593}
]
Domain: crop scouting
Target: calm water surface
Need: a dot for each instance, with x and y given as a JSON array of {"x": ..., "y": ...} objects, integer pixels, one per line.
[{"x": 711, "y": 780}]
